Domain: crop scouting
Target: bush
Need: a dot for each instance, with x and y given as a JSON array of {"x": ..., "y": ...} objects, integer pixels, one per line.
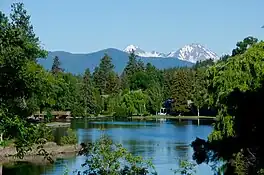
[
  {"x": 70, "y": 138},
  {"x": 186, "y": 167},
  {"x": 107, "y": 158},
  {"x": 49, "y": 117},
  {"x": 120, "y": 112},
  {"x": 77, "y": 111},
  {"x": 44, "y": 132},
  {"x": 6, "y": 143}
]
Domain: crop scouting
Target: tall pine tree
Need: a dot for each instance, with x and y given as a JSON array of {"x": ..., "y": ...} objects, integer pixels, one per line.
[
  {"x": 87, "y": 93},
  {"x": 56, "y": 66},
  {"x": 132, "y": 68},
  {"x": 181, "y": 90},
  {"x": 104, "y": 76}
]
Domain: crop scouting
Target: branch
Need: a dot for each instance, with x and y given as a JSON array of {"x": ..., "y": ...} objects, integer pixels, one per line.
[{"x": 254, "y": 157}]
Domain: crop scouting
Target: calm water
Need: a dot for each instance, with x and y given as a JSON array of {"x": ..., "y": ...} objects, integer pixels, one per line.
[{"x": 165, "y": 142}]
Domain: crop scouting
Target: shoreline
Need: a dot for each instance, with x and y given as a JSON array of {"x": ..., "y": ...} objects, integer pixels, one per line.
[
  {"x": 54, "y": 150},
  {"x": 58, "y": 124}
]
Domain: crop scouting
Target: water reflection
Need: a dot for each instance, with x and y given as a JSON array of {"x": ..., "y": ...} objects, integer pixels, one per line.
[
  {"x": 165, "y": 142},
  {"x": 24, "y": 168}
]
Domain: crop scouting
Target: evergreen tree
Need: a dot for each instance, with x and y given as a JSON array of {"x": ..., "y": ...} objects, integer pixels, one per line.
[
  {"x": 155, "y": 75},
  {"x": 104, "y": 76},
  {"x": 242, "y": 46},
  {"x": 87, "y": 93},
  {"x": 199, "y": 90},
  {"x": 131, "y": 66},
  {"x": 129, "y": 70},
  {"x": 167, "y": 84},
  {"x": 181, "y": 90},
  {"x": 113, "y": 83},
  {"x": 155, "y": 99},
  {"x": 55, "y": 69},
  {"x": 134, "y": 75}
]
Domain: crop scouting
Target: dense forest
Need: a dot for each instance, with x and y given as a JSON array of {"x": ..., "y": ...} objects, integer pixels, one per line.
[
  {"x": 139, "y": 90},
  {"x": 232, "y": 88}
]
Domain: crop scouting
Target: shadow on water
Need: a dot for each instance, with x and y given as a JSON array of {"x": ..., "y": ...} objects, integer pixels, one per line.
[
  {"x": 163, "y": 141},
  {"x": 25, "y": 168}
]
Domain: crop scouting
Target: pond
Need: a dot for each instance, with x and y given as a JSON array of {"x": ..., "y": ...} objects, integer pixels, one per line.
[{"x": 164, "y": 142}]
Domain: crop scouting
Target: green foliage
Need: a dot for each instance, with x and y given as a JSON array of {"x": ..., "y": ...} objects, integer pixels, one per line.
[
  {"x": 233, "y": 85},
  {"x": 44, "y": 132},
  {"x": 134, "y": 76},
  {"x": 55, "y": 68},
  {"x": 105, "y": 79},
  {"x": 48, "y": 117},
  {"x": 121, "y": 112},
  {"x": 155, "y": 99},
  {"x": 204, "y": 64},
  {"x": 24, "y": 85},
  {"x": 132, "y": 65},
  {"x": 139, "y": 80},
  {"x": 104, "y": 157},
  {"x": 167, "y": 84},
  {"x": 20, "y": 76},
  {"x": 132, "y": 103},
  {"x": 236, "y": 89},
  {"x": 186, "y": 167},
  {"x": 24, "y": 134},
  {"x": 6, "y": 143},
  {"x": 87, "y": 89},
  {"x": 181, "y": 89},
  {"x": 70, "y": 138},
  {"x": 242, "y": 46},
  {"x": 199, "y": 91}
]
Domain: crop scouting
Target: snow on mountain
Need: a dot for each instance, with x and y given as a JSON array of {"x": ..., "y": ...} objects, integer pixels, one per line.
[
  {"x": 193, "y": 53},
  {"x": 142, "y": 53}
]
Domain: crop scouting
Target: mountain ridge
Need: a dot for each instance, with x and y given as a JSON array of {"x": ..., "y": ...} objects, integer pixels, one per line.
[
  {"x": 77, "y": 63},
  {"x": 191, "y": 52}
]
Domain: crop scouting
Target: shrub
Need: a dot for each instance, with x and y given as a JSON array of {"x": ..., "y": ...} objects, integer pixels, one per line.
[
  {"x": 107, "y": 158},
  {"x": 70, "y": 138},
  {"x": 186, "y": 167},
  {"x": 44, "y": 132}
]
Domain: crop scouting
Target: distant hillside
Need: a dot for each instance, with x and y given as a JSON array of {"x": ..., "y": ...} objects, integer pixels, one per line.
[{"x": 77, "y": 63}]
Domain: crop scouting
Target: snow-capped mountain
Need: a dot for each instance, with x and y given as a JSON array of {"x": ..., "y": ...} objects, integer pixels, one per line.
[
  {"x": 142, "y": 53},
  {"x": 191, "y": 53}
]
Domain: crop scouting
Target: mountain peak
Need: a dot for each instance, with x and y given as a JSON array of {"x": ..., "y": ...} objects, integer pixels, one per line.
[
  {"x": 130, "y": 48},
  {"x": 141, "y": 53},
  {"x": 193, "y": 52}
]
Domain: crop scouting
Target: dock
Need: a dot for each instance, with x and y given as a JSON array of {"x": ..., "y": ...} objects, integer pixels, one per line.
[{"x": 55, "y": 114}]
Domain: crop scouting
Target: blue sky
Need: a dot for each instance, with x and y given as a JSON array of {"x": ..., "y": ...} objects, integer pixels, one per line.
[{"x": 83, "y": 26}]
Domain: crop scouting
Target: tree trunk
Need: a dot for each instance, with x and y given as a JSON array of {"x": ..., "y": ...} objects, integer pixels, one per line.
[
  {"x": 1, "y": 169},
  {"x": 1, "y": 137},
  {"x": 198, "y": 111}
]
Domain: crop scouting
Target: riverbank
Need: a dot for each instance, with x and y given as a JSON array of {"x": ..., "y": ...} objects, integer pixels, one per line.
[
  {"x": 7, "y": 154},
  {"x": 58, "y": 124},
  {"x": 158, "y": 117}
]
